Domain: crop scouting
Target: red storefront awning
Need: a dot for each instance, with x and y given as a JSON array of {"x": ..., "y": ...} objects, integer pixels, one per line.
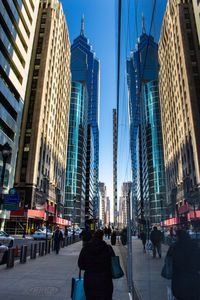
[
  {"x": 59, "y": 221},
  {"x": 30, "y": 213},
  {"x": 170, "y": 222},
  {"x": 191, "y": 214}
]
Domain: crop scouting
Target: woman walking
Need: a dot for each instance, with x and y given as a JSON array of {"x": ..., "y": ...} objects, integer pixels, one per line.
[{"x": 95, "y": 259}]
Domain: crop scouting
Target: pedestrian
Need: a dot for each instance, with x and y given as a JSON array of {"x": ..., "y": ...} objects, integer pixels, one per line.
[
  {"x": 95, "y": 260},
  {"x": 156, "y": 238},
  {"x": 109, "y": 232},
  {"x": 58, "y": 237},
  {"x": 85, "y": 235},
  {"x": 143, "y": 237},
  {"x": 106, "y": 231},
  {"x": 113, "y": 237},
  {"x": 185, "y": 267}
]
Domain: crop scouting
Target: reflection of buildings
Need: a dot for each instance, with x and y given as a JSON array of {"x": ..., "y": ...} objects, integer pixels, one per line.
[
  {"x": 196, "y": 8},
  {"x": 179, "y": 58},
  {"x": 125, "y": 192},
  {"x": 145, "y": 132},
  {"x": 115, "y": 165},
  {"x": 41, "y": 164},
  {"x": 107, "y": 212},
  {"x": 76, "y": 154},
  {"x": 85, "y": 68},
  {"x": 102, "y": 202},
  {"x": 16, "y": 42}
]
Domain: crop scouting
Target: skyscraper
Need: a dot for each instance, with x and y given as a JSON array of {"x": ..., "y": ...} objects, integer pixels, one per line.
[
  {"x": 17, "y": 30},
  {"x": 179, "y": 58},
  {"x": 87, "y": 70},
  {"x": 102, "y": 204},
  {"x": 41, "y": 164},
  {"x": 115, "y": 165},
  {"x": 75, "y": 188},
  {"x": 142, "y": 69}
]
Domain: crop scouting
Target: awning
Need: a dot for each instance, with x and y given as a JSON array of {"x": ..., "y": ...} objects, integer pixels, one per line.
[
  {"x": 169, "y": 222},
  {"x": 30, "y": 213},
  {"x": 183, "y": 209},
  {"x": 59, "y": 221}
]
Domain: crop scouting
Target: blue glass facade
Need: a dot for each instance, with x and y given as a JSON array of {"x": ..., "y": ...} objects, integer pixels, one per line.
[
  {"x": 85, "y": 67},
  {"x": 153, "y": 157},
  {"x": 76, "y": 155},
  {"x": 142, "y": 67}
]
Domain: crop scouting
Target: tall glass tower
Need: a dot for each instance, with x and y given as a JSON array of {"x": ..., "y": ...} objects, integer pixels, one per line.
[
  {"x": 76, "y": 156},
  {"x": 142, "y": 68},
  {"x": 85, "y": 67}
]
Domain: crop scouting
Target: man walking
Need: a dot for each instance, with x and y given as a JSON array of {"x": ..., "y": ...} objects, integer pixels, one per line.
[
  {"x": 58, "y": 236},
  {"x": 156, "y": 238}
]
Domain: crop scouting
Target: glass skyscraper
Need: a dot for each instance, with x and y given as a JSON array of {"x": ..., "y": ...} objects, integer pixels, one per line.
[
  {"x": 152, "y": 155},
  {"x": 76, "y": 156},
  {"x": 85, "y": 68},
  {"x": 142, "y": 67}
]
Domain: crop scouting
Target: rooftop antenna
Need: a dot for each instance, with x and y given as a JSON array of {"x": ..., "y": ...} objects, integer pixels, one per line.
[{"x": 82, "y": 25}]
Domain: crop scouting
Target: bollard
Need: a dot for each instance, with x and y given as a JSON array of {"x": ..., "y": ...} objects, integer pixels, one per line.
[
  {"x": 23, "y": 254},
  {"x": 40, "y": 246},
  {"x": 41, "y": 249},
  {"x": 49, "y": 247},
  {"x": 63, "y": 243},
  {"x": 11, "y": 257},
  {"x": 33, "y": 251},
  {"x": 66, "y": 241}
]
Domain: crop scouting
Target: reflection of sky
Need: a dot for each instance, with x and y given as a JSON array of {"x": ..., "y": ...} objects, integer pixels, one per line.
[{"x": 101, "y": 30}]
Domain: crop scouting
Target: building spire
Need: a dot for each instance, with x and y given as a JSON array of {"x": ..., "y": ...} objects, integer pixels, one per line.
[
  {"x": 143, "y": 24},
  {"x": 82, "y": 25}
]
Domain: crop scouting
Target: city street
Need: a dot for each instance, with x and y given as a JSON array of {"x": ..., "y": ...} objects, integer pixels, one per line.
[{"x": 48, "y": 277}]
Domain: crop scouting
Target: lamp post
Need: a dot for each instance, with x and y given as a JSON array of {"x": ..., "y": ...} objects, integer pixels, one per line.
[
  {"x": 74, "y": 216},
  {"x": 6, "y": 151}
]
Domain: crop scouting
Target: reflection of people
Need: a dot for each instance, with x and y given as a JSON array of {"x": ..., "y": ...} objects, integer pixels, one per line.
[
  {"x": 58, "y": 236},
  {"x": 95, "y": 259},
  {"x": 186, "y": 267},
  {"x": 156, "y": 237},
  {"x": 143, "y": 237}
]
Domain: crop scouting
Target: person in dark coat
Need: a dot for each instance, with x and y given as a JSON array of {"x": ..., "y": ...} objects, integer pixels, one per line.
[
  {"x": 85, "y": 235},
  {"x": 58, "y": 237},
  {"x": 113, "y": 237},
  {"x": 156, "y": 238},
  {"x": 143, "y": 237},
  {"x": 95, "y": 259},
  {"x": 185, "y": 255}
]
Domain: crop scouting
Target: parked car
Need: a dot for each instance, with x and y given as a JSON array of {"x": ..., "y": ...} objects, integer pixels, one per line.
[
  {"x": 40, "y": 234},
  {"x": 6, "y": 239},
  {"x": 3, "y": 254}
]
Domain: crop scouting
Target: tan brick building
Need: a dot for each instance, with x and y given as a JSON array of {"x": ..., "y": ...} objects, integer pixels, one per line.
[
  {"x": 179, "y": 58},
  {"x": 41, "y": 164}
]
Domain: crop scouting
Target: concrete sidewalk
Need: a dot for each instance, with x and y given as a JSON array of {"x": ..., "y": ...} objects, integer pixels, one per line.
[
  {"x": 147, "y": 280},
  {"x": 48, "y": 277}
]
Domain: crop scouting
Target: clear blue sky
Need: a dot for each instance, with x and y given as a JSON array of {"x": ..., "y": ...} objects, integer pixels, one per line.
[{"x": 100, "y": 29}]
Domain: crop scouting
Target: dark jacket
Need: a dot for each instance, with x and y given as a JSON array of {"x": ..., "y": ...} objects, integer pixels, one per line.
[
  {"x": 156, "y": 237},
  {"x": 186, "y": 265},
  {"x": 95, "y": 259}
]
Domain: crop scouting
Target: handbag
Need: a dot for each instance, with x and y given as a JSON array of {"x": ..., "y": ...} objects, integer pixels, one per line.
[
  {"x": 117, "y": 271},
  {"x": 167, "y": 268},
  {"x": 77, "y": 290}
]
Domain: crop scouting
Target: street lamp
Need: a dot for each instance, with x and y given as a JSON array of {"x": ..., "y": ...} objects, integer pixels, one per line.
[
  {"x": 74, "y": 216},
  {"x": 6, "y": 151}
]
